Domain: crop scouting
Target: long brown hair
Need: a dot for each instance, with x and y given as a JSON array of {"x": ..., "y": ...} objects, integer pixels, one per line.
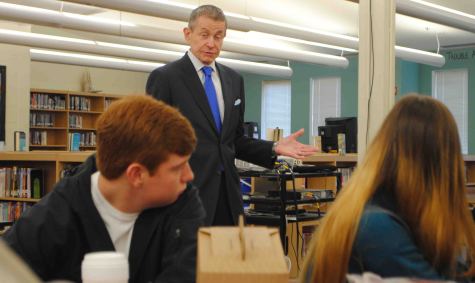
[{"x": 416, "y": 155}]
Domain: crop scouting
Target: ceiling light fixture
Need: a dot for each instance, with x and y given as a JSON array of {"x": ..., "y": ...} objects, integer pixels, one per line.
[
  {"x": 179, "y": 11},
  {"x": 15, "y": 8},
  {"x": 157, "y": 34},
  {"x": 420, "y": 56},
  {"x": 436, "y": 14},
  {"x": 121, "y": 50},
  {"x": 121, "y": 64},
  {"x": 301, "y": 41},
  {"x": 91, "y": 60}
]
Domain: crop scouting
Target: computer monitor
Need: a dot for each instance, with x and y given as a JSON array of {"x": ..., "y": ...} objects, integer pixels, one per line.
[
  {"x": 251, "y": 129},
  {"x": 334, "y": 126}
]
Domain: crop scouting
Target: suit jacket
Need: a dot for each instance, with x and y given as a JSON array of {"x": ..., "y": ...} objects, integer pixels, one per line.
[
  {"x": 54, "y": 235},
  {"x": 178, "y": 84}
]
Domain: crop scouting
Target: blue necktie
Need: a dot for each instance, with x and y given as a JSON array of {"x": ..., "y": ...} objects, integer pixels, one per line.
[{"x": 211, "y": 94}]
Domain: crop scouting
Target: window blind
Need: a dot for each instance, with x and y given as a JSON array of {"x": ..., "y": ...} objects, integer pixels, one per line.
[
  {"x": 276, "y": 104},
  {"x": 324, "y": 101},
  {"x": 451, "y": 87}
]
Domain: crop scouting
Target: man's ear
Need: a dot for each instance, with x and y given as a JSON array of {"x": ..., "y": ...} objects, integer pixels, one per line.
[
  {"x": 187, "y": 33},
  {"x": 135, "y": 173}
]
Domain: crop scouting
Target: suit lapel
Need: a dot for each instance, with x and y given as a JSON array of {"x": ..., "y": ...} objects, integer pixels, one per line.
[
  {"x": 192, "y": 81},
  {"x": 226, "y": 86}
]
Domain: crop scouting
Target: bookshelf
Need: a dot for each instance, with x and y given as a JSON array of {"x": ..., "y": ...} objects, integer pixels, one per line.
[
  {"x": 57, "y": 115},
  {"x": 50, "y": 163}
]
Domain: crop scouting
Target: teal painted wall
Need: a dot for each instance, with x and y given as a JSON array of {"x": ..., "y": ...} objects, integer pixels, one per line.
[
  {"x": 407, "y": 77},
  {"x": 410, "y": 77},
  {"x": 300, "y": 88}
]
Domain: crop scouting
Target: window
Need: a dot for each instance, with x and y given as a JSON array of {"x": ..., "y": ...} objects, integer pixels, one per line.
[
  {"x": 451, "y": 87},
  {"x": 325, "y": 97},
  {"x": 275, "y": 106}
]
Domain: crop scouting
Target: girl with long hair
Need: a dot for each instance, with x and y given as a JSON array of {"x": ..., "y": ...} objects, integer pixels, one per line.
[{"x": 404, "y": 212}]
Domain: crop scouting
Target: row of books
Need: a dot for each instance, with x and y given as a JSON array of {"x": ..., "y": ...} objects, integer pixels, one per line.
[
  {"x": 108, "y": 103},
  {"x": 11, "y": 211},
  {"x": 47, "y": 101},
  {"x": 39, "y": 137},
  {"x": 42, "y": 119},
  {"x": 21, "y": 182},
  {"x": 79, "y": 103},
  {"x": 75, "y": 121},
  {"x": 77, "y": 140}
]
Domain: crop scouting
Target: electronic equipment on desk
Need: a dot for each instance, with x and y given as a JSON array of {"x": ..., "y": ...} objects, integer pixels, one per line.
[
  {"x": 244, "y": 166},
  {"x": 251, "y": 129},
  {"x": 291, "y": 165},
  {"x": 291, "y": 195},
  {"x": 314, "y": 168},
  {"x": 275, "y": 217},
  {"x": 271, "y": 203},
  {"x": 289, "y": 161},
  {"x": 341, "y": 125}
]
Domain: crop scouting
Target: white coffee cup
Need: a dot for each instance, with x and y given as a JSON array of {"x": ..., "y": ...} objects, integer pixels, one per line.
[{"x": 105, "y": 267}]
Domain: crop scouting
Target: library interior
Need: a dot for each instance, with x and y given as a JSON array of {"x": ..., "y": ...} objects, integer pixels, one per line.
[{"x": 102, "y": 181}]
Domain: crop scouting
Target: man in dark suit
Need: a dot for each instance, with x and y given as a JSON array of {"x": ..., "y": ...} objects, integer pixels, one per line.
[{"x": 211, "y": 96}]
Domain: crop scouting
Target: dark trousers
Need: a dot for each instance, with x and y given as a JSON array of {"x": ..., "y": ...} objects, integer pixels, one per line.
[{"x": 222, "y": 215}]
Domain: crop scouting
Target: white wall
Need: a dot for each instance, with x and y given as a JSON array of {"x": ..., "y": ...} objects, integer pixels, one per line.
[
  {"x": 17, "y": 61},
  {"x": 69, "y": 77}
]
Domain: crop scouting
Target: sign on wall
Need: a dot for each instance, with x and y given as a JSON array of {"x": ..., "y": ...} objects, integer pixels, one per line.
[{"x": 463, "y": 55}]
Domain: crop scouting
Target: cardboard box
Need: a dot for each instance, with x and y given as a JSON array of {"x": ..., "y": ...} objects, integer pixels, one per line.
[{"x": 240, "y": 254}]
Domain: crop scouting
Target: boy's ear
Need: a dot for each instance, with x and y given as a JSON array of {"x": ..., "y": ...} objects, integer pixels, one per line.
[{"x": 135, "y": 174}]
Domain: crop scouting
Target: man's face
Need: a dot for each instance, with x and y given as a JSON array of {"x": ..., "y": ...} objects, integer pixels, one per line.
[
  {"x": 206, "y": 38},
  {"x": 168, "y": 181}
]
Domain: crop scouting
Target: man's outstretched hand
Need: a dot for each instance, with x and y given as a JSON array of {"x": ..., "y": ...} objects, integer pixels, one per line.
[{"x": 289, "y": 146}]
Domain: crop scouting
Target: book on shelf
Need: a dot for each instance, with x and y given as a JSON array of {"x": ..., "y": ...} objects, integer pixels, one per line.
[
  {"x": 47, "y": 101},
  {"x": 79, "y": 103},
  {"x": 75, "y": 121},
  {"x": 36, "y": 183},
  {"x": 19, "y": 182},
  {"x": 74, "y": 141},
  {"x": 39, "y": 137},
  {"x": 42, "y": 119},
  {"x": 10, "y": 211},
  {"x": 19, "y": 141}
]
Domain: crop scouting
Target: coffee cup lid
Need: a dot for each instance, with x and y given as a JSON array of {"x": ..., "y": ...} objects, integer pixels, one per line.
[{"x": 104, "y": 266}]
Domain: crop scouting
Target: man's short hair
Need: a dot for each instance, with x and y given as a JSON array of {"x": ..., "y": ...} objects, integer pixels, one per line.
[
  {"x": 209, "y": 11},
  {"x": 140, "y": 129}
]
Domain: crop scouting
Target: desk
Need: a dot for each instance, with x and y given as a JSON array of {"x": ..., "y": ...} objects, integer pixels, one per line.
[
  {"x": 283, "y": 202},
  {"x": 291, "y": 226}
]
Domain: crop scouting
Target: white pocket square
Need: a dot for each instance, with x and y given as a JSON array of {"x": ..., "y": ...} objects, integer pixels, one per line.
[{"x": 237, "y": 102}]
